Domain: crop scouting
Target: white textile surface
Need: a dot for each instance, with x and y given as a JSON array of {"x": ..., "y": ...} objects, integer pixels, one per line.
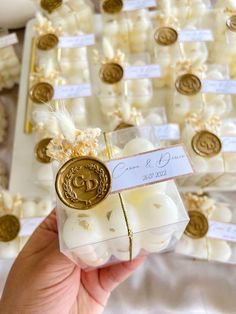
[{"x": 172, "y": 284}]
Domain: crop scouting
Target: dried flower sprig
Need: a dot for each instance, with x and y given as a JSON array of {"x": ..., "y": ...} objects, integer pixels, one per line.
[
  {"x": 72, "y": 142},
  {"x": 212, "y": 124},
  {"x": 201, "y": 203},
  {"x": 44, "y": 26},
  {"x": 186, "y": 66}
]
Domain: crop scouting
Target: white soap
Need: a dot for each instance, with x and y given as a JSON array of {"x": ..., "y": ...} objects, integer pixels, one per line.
[
  {"x": 222, "y": 213},
  {"x": 184, "y": 246},
  {"x": 216, "y": 164},
  {"x": 219, "y": 250},
  {"x": 141, "y": 101},
  {"x": 228, "y": 128},
  {"x": 7, "y": 199},
  {"x": 9, "y": 249},
  {"x": 180, "y": 109},
  {"x": 136, "y": 196},
  {"x": 121, "y": 248},
  {"x": 96, "y": 255},
  {"x": 117, "y": 231},
  {"x": 44, "y": 207},
  {"x": 153, "y": 119},
  {"x": 29, "y": 209},
  {"x": 157, "y": 211},
  {"x": 199, "y": 248},
  {"x": 155, "y": 242},
  {"x": 111, "y": 28},
  {"x": 79, "y": 230},
  {"x": 199, "y": 164},
  {"x": 136, "y": 146},
  {"x": 220, "y": 106},
  {"x": 230, "y": 162}
]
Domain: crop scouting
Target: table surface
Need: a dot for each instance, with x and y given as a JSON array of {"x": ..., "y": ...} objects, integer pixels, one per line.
[{"x": 165, "y": 283}]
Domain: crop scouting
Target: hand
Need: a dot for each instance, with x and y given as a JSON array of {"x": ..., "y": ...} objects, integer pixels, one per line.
[{"x": 43, "y": 280}]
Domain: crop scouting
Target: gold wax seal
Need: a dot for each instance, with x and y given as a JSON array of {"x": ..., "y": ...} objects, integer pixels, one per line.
[
  {"x": 111, "y": 73},
  {"x": 41, "y": 93},
  {"x": 123, "y": 125},
  {"x": 165, "y": 36},
  {"x": 9, "y": 228},
  {"x": 83, "y": 182},
  {"x": 50, "y": 5},
  {"x": 206, "y": 144},
  {"x": 112, "y": 6},
  {"x": 47, "y": 41},
  {"x": 41, "y": 151},
  {"x": 198, "y": 225},
  {"x": 188, "y": 84},
  {"x": 231, "y": 23}
]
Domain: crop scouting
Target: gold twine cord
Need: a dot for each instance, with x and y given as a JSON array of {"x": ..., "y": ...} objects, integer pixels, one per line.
[
  {"x": 129, "y": 230},
  {"x": 28, "y": 128}
]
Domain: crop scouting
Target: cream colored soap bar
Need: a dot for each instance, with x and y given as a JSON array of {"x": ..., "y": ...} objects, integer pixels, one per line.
[{"x": 196, "y": 242}]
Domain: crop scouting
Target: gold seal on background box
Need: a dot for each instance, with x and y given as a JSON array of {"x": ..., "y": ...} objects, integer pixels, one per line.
[
  {"x": 188, "y": 84},
  {"x": 83, "y": 182},
  {"x": 231, "y": 23},
  {"x": 41, "y": 93},
  {"x": 47, "y": 42},
  {"x": 198, "y": 225},
  {"x": 50, "y": 5},
  {"x": 112, "y": 6},
  {"x": 123, "y": 125},
  {"x": 41, "y": 151},
  {"x": 206, "y": 144},
  {"x": 166, "y": 36},
  {"x": 111, "y": 73},
  {"x": 9, "y": 228}
]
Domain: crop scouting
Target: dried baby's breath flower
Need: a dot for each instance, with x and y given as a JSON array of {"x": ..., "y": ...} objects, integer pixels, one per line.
[
  {"x": 41, "y": 75},
  {"x": 212, "y": 124},
  {"x": 198, "y": 202},
  {"x": 100, "y": 59},
  {"x": 44, "y": 26},
  {"x": 85, "y": 144},
  {"x": 167, "y": 20},
  {"x": 186, "y": 66}
]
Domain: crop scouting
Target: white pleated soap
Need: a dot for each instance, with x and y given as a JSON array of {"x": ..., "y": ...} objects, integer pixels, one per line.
[
  {"x": 29, "y": 209},
  {"x": 219, "y": 250},
  {"x": 137, "y": 145},
  {"x": 156, "y": 211},
  {"x": 136, "y": 196}
]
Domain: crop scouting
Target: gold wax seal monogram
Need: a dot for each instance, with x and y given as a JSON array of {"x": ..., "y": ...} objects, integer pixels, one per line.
[
  {"x": 83, "y": 182},
  {"x": 41, "y": 93},
  {"x": 47, "y": 41},
  {"x": 206, "y": 144},
  {"x": 198, "y": 225},
  {"x": 112, "y": 6},
  {"x": 165, "y": 36},
  {"x": 111, "y": 73},
  {"x": 9, "y": 228},
  {"x": 188, "y": 84},
  {"x": 50, "y": 5},
  {"x": 231, "y": 23},
  {"x": 41, "y": 151}
]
